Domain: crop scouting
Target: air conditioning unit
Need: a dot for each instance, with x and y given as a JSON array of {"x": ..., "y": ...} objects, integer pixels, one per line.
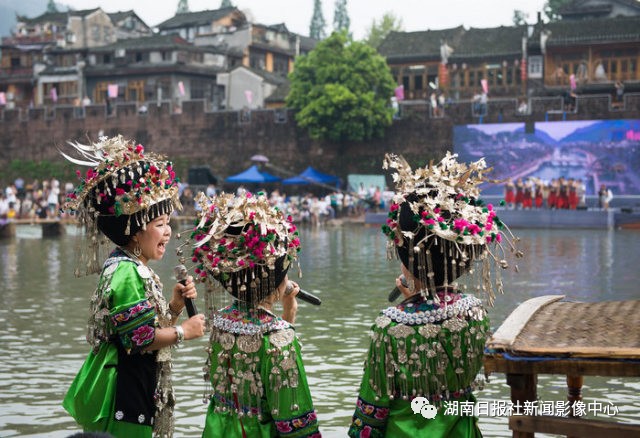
[{"x": 121, "y": 53}]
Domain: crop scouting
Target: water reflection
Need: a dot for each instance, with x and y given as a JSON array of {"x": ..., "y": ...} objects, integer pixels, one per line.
[{"x": 44, "y": 313}]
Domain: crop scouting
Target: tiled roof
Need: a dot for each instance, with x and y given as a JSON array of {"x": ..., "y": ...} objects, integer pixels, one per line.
[
  {"x": 150, "y": 42},
  {"x": 272, "y": 78},
  {"x": 199, "y": 18},
  {"x": 465, "y": 43},
  {"x": 503, "y": 40},
  {"x": 121, "y": 15},
  {"x": 56, "y": 17},
  {"x": 570, "y": 32},
  {"x": 280, "y": 94},
  {"x": 578, "y": 7},
  {"x": 419, "y": 44}
]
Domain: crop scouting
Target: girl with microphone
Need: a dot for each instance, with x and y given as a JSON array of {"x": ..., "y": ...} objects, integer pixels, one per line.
[{"x": 245, "y": 248}]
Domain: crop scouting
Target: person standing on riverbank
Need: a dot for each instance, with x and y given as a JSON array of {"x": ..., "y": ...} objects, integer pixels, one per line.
[
  {"x": 245, "y": 248},
  {"x": 427, "y": 351},
  {"x": 124, "y": 386}
]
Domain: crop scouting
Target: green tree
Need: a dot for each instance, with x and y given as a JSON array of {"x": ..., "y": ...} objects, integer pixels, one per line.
[
  {"x": 226, "y": 4},
  {"x": 552, "y": 9},
  {"x": 183, "y": 6},
  {"x": 341, "y": 20},
  {"x": 519, "y": 17},
  {"x": 378, "y": 31},
  {"x": 51, "y": 6},
  {"x": 341, "y": 90},
  {"x": 316, "y": 29}
]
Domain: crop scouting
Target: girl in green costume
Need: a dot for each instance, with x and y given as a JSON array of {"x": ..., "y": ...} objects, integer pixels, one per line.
[
  {"x": 425, "y": 352},
  {"x": 124, "y": 386},
  {"x": 245, "y": 247}
]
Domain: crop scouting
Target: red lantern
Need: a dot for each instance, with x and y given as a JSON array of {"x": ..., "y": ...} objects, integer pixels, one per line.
[
  {"x": 523, "y": 70},
  {"x": 443, "y": 75}
]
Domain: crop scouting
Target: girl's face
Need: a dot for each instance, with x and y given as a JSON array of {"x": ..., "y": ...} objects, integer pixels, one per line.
[{"x": 153, "y": 240}]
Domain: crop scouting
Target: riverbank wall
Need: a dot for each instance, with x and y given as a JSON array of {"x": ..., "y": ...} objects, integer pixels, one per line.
[{"x": 226, "y": 140}]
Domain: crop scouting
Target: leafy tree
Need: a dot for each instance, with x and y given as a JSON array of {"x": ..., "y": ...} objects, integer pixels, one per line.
[
  {"x": 519, "y": 17},
  {"x": 183, "y": 6},
  {"x": 378, "y": 31},
  {"x": 226, "y": 4},
  {"x": 552, "y": 9},
  {"x": 51, "y": 6},
  {"x": 341, "y": 20},
  {"x": 316, "y": 30},
  {"x": 341, "y": 90}
]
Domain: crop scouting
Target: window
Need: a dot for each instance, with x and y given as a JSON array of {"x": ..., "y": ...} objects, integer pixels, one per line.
[
  {"x": 256, "y": 60},
  {"x": 535, "y": 67},
  {"x": 417, "y": 82},
  {"x": 280, "y": 64}
]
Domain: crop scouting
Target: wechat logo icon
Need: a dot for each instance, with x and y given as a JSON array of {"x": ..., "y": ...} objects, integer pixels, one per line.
[{"x": 422, "y": 405}]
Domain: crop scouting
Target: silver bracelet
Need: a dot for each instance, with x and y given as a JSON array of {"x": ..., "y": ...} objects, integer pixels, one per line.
[{"x": 179, "y": 334}]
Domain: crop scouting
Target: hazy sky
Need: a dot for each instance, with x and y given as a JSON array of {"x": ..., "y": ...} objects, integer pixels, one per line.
[{"x": 296, "y": 14}]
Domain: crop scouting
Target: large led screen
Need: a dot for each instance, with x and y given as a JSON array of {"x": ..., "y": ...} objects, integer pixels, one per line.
[{"x": 594, "y": 151}]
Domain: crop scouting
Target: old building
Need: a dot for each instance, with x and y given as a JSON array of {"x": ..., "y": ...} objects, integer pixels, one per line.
[
  {"x": 590, "y": 9},
  {"x": 190, "y": 25},
  {"x": 584, "y": 56},
  {"x": 159, "y": 67},
  {"x": 43, "y": 61}
]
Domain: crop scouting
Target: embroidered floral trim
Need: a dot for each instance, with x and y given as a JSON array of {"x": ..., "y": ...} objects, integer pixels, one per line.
[
  {"x": 368, "y": 420},
  {"x": 135, "y": 325},
  {"x": 292, "y": 426},
  {"x": 131, "y": 313},
  {"x": 377, "y": 413}
]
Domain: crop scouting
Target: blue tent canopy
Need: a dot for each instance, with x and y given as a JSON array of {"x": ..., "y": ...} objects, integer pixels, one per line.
[
  {"x": 311, "y": 176},
  {"x": 252, "y": 175}
]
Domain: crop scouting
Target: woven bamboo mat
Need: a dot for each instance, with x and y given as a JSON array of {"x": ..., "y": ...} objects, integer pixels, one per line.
[{"x": 606, "y": 329}]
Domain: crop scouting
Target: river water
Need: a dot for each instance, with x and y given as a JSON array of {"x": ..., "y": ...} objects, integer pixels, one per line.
[{"x": 44, "y": 308}]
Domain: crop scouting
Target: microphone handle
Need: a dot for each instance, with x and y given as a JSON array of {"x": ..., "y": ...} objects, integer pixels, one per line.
[
  {"x": 308, "y": 297},
  {"x": 189, "y": 303},
  {"x": 394, "y": 294}
]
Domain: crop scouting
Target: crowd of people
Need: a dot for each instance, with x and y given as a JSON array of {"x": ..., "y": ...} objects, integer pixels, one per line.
[
  {"x": 34, "y": 200},
  {"x": 558, "y": 194},
  {"x": 308, "y": 208}
]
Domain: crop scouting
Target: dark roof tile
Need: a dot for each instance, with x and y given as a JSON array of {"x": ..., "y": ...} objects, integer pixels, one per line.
[{"x": 199, "y": 18}]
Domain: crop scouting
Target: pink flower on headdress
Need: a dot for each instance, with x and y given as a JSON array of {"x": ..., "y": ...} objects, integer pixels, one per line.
[
  {"x": 394, "y": 207},
  {"x": 249, "y": 195},
  {"x": 240, "y": 262},
  {"x": 139, "y": 149},
  {"x": 499, "y": 237},
  {"x": 119, "y": 191},
  {"x": 460, "y": 224}
]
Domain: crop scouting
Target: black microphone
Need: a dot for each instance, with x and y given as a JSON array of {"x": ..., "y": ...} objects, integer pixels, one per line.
[
  {"x": 180, "y": 272},
  {"x": 395, "y": 293},
  {"x": 303, "y": 295}
]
